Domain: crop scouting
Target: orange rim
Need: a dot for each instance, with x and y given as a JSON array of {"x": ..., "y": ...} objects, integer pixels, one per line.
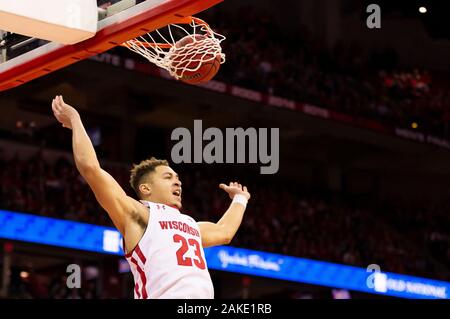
[{"x": 185, "y": 20}]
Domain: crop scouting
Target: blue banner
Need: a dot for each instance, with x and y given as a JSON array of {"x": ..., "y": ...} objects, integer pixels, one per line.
[
  {"x": 321, "y": 273},
  {"x": 63, "y": 233},
  {"x": 57, "y": 232}
]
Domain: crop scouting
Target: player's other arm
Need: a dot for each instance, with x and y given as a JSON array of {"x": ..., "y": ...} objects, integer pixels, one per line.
[
  {"x": 222, "y": 232},
  {"x": 107, "y": 191}
]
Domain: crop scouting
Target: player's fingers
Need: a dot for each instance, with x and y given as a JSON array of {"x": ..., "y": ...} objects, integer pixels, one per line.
[
  {"x": 56, "y": 103},
  {"x": 60, "y": 101},
  {"x": 245, "y": 189},
  {"x": 223, "y": 186},
  {"x": 240, "y": 186},
  {"x": 55, "y": 109}
]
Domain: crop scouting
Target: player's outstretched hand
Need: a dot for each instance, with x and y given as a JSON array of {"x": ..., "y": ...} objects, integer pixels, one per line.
[
  {"x": 63, "y": 112},
  {"x": 234, "y": 189}
]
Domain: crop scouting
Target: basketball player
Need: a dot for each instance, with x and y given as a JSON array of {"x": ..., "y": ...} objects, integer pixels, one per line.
[{"x": 163, "y": 246}]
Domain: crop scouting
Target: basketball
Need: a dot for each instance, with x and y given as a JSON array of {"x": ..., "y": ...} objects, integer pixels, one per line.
[{"x": 189, "y": 61}]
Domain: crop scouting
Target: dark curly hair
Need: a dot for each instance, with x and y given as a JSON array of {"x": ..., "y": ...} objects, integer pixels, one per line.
[{"x": 140, "y": 171}]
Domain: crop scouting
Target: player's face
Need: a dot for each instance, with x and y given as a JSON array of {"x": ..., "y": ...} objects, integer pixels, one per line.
[{"x": 166, "y": 186}]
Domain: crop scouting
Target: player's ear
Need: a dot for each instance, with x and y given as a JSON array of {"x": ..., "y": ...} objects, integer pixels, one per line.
[{"x": 145, "y": 189}]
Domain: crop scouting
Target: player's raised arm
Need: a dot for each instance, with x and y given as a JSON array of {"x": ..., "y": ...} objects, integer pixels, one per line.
[
  {"x": 107, "y": 191},
  {"x": 222, "y": 232}
]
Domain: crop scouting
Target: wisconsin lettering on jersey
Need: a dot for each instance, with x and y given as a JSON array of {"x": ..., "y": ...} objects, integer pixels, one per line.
[{"x": 185, "y": 228}]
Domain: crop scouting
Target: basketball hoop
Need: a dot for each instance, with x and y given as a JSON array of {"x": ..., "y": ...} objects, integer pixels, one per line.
[{"x": 180, "y": 50}]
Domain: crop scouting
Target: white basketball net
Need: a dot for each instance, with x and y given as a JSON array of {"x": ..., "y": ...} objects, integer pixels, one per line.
[{"x": 203, "y": 45}]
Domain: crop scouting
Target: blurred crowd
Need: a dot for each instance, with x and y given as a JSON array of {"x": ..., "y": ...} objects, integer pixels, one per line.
[
  {"x": 51, "y": 189},
  {"x": 344, "y": 78},
  {"x": 280, "y": 218},
  {"x": 283, "y": 219}
]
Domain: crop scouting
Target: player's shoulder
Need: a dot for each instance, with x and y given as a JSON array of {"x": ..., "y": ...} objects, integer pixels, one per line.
[
  {"x": 137, "y": 216},
  {"x": 137, "y": 204},
  {"x": 149, "y": 205},
  {"x": 138, "y": 208},
  {"x": 152, "y": 207}
]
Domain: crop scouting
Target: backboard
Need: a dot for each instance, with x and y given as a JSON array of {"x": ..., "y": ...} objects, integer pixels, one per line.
[{"x": 23, "y": 59}]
